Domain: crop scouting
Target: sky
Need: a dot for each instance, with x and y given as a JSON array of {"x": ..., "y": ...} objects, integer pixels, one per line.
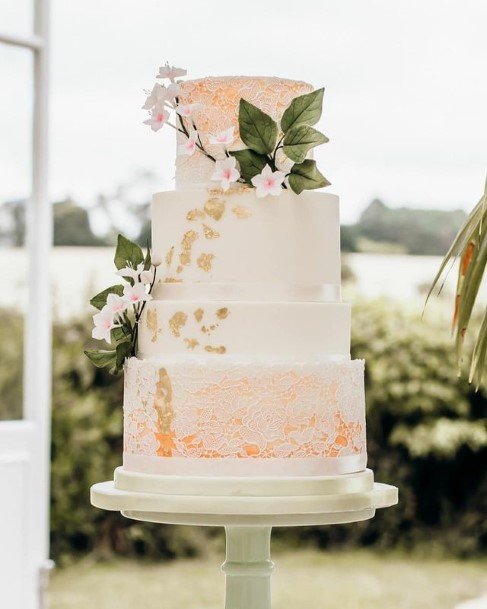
[{"x": 405, "y": 90}]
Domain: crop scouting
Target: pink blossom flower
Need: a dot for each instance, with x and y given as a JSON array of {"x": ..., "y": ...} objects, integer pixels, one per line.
[
  {"x": 189, "y": 146},
  {"x": 159, "y": 116},
  {"x": 115, "y": 304},
  {"x": 268, "y": 182},
  {"x": 224, "y": 138},
  {"x": 187, "y": 110},
  {"x": 104, "y": 323},
  {"x": 172, "y": 91},
  {"x": 167, "y": 71},
  {"x": 133, "y": 294},
  {"x": 226, "y": 172},
  {"x": 130, "y": 272}
]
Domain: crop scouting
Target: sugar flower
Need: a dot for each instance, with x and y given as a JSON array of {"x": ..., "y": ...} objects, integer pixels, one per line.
[
  {"x": 130, "y": 272},
  {"x": 172, "y": 91},
  {"x": 188, "y": 148},
  {"x": 268, "y": 182},
  {"x": 159, "y": 116},
  {"x": 167, "y": 71},
  {"x": 115, "y": 304},
  {"x": 187, "y": 110},
  {"x": 226, "y": 172},
  {"x": 148, "y": 276},
  {"x": 104, "y": 323},
  {"x": 158, "y": 95},
  {"x": 133, "y": 294},
  {"x": 224, "y": 138}
]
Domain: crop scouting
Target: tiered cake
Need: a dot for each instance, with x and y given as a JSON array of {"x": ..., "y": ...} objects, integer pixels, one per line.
[{"x": 243, "y": 365}]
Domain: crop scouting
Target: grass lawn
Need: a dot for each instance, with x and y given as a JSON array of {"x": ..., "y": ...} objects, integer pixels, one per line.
[{"x": 303, "y": 580}]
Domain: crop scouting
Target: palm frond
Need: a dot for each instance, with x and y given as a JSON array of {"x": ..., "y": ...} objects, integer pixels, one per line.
[{"x": 470, "y": 245}]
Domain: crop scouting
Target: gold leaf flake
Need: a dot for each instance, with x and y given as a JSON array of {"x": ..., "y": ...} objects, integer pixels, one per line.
[
  {"x": 241, "y": 212},
  {"x": 179, "y": 269},
  {"x": 187, "y": 241},
  {"x": 194, "y": 214},
  {"x": 172, "y": 280},
  {"x": 198, "y": 314},
  {"x": 176, "y": 322},
  {"x": 220, "y": 350},
  {"x": 222, "y": 313},
  {"x": 169, "y": 256},
  {"x": 191, "y": 343},
  {"x": 152, "y": 324},
  {"x": 215, "y": 208},
  {"x": 163, "y": 402},
  {"x": 210, "y": 233},
  {"x": 205, "y": 262}
]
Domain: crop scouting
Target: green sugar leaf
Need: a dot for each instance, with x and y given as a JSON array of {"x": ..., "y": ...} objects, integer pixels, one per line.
[
  {"x": 303, "y": 110},
  {"x": 299, "y": 140},
  {"x": 127, "y": 252},
  {"x": 251, "y": 163},
  {"x": 100, "y": 300},
  {"x": 306, "y": 176},
  {"x": 257, "y": 129},
  {"x": 101, "y": 359}
]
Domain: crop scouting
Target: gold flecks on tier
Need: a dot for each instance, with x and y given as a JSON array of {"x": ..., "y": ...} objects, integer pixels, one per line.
[
  {"x": 186, "y": 245},
  {"x": 169, "y": 256},
  {"x": 215, "y": 208},
  {"x": 205, "y": 262},
  {"x": 208, "y": 329},
  {"x": 241, "y": 212},
  {"x": 171, "y": 280},
  {"x": 222, "y": 313},
  {"x": 176, "y": 322},
  {"x": 179, "y": 269},
  {"x": 219, "y": 350},
  {"x": 194, "y": 214},
  {"x": 210, "y": 233},
  {"x": 198, "y": 314},
  {"x": 152, "y": 324},
  {"x": 163, "y": 402},
  {"x": 191, "y": 343}
]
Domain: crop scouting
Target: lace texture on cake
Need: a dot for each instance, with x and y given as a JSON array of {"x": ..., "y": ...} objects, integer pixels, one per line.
[
  {"x": 220, "y": 97},
  {"x": 240, "y": 410}
]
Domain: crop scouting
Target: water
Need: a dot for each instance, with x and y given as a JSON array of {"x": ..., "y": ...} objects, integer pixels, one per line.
[{"x": 79, "y": 272}]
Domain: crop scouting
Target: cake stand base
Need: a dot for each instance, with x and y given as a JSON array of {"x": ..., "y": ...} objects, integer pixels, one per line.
[{"x": 247, "y": 509}]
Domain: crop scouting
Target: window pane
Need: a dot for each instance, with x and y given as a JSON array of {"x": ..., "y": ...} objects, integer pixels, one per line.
[
  {"x": 15, "y": 186},
  {"x": 16, "y": 17}
]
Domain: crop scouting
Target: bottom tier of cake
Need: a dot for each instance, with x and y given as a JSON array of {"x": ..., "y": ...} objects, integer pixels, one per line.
[{"x": 201, "y": 416}]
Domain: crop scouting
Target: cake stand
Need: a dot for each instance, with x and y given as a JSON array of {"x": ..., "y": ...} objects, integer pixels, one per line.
[{"x": 247, "y": 508}]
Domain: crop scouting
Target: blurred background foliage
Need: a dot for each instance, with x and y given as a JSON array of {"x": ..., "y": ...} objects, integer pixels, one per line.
[{"x": 427, "y": 434}]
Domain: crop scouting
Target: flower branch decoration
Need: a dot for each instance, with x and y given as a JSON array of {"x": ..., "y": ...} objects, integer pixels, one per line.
[
  {"x": 120, "y": 306},
  {"x": 271, "y": 145}
]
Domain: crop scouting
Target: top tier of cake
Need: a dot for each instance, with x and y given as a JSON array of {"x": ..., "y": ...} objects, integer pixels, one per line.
[{"x": 219, "y": 98}]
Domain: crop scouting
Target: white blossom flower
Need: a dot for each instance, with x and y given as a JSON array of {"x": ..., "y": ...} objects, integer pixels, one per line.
[
  {"x": 115, "y": 304},
  {"x": 226, "y": 172},
  {"x": 159, "y": 116},
  {"x": 268, "y": 182},
  {"x": 224, "y": 138},
  {"x": 136, "y": 293},
  {"x": 157, "y": 96},
  {"x": 187, "y": 110},
  {"x": 104, "y": 323},
  {"x": 172, "y": 91},
  {"x": 148, "y": 276},
  {"x": 167, "y": 71},
  {"x": 130, "y": 272},
  {"x": 188, "y": 148},
  {"x": 156, "y": 259}
]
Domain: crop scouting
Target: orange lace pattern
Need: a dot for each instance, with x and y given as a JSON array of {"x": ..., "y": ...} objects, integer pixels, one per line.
[
  {"x": 218, "y": 410},
  {"x": 220, "y": 98}
]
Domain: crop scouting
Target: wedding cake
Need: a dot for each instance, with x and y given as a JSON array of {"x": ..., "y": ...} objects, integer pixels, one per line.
[{"x": 237, "y": 359}]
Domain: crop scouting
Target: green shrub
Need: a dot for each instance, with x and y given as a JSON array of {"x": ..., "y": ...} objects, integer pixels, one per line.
[{"x": 426, "y": 434}]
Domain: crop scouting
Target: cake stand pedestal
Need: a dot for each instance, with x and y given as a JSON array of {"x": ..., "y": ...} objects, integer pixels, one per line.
[{"x": 247, "y": 509}]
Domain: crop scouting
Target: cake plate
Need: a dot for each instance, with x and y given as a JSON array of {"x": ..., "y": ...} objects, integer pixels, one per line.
[{"x": 247, "y": 508}]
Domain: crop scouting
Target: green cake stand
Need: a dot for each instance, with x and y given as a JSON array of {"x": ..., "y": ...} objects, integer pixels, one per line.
[{"x": 247, "y": 508}]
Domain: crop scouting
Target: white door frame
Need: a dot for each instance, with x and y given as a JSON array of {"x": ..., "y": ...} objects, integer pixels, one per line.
[{"x": 26, "y": 442}]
